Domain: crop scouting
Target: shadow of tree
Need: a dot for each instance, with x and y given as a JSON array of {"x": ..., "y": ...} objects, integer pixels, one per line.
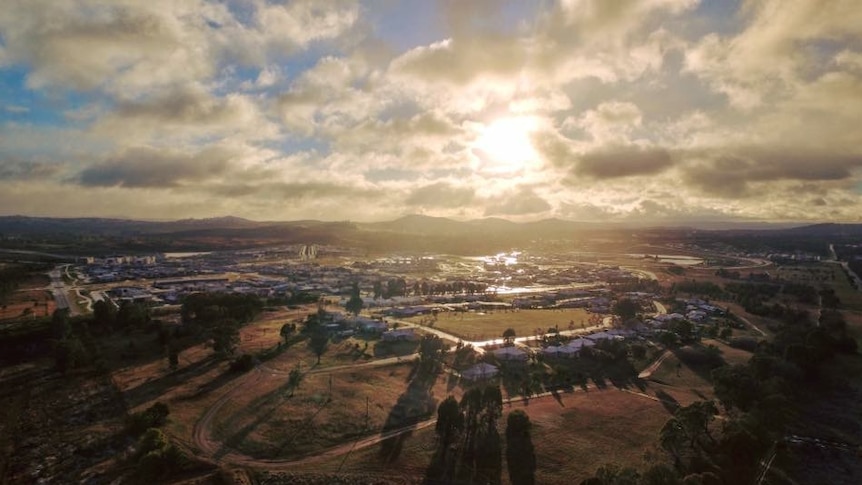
[
  {"x": 154, "y": 388},
  {"x": 669, "y": 402},
  {"x": 415, "y": 404},
  {"x": 700, "y": 359}
]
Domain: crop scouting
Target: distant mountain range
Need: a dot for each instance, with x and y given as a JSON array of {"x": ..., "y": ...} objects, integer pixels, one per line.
[{"x": 413, "y": 232}]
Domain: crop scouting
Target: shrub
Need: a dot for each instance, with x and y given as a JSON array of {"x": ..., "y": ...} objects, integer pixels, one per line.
[
  {"x": 243, "y": 363},
  {"x": 153, "y": 417}
]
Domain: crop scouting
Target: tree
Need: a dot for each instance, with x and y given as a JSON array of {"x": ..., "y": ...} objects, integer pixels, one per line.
[
  {"x": 173, "y": 356},
  {"x": 104, "y": 314},
  {"x": 672, "y": 439},
  {"x": 153, "y": 417},
  {"x": 520, "y": 452},
  {"x": 432, "y": 349},
  {"x": 132, "y": 315},
  {"x": 354, "y": 304},
  {"x": 293, "y": 381},
  {"x": 69, "y": 353},
  {"x": 225, "y": 337},
  {"x": 287, "y": 330},
  {"x": 450, "y": 422},
  {"x": 509, "y": 336},
  {"x": 736, "y": 386},
  {"x": 60, "y": 323},
  {"x": 318, "y": 342},
  {"x": 695, "y": 419},
  {"x": 660, "y": 475},
  {"x": 626, "y": 308}
]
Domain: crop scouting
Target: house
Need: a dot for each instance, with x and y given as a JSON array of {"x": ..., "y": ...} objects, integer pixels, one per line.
[
  {"x": 372, "y": 326},
  {"x": 568, "y": 350},
  {"x": 595, "y": 337},
  {"x": 511, "y": 354},
  {"x": 401, "y": 334},
  {"x": 480, "y": 371},
  {"x": 580, "y": 343},
  {"x": 556, "y": 351}
]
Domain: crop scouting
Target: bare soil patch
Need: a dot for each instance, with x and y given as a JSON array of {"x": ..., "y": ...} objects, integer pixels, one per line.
[{"x": 28, "y": 303}]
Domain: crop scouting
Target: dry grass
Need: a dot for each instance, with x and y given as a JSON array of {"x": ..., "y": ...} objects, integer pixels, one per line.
[
  {"x": 268, "y": 421},
  {"x": 481, "y": 326},
  {"x": 674, "y": 381},
  {"x": 573, "y": 437},
  {"x": 28, "y": 303}
]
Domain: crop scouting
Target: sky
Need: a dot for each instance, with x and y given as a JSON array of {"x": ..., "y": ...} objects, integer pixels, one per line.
[{"x": 651, "y": 111}]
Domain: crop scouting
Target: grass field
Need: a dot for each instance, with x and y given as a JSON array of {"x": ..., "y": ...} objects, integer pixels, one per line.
[
  {"x": 326, "y": 410},
  {"x": 482, "y": 326},
  {"x": 573, "y": 436},
  {"x": 684, "y": 377}
]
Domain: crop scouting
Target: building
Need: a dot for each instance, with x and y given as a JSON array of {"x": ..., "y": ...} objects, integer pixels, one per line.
[
  {"x": 480, "y": 371},
  {"x": 401, "y": 334},
  {"x": 511, "y": 354}
]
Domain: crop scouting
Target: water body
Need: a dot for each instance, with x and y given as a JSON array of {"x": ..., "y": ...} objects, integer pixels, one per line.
[
  {"x": 670, "y": 258},
  {"x": 186, "y": 255}
]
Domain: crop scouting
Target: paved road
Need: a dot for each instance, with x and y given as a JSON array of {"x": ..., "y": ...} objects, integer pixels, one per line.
[{"x": 60, "y": 291}]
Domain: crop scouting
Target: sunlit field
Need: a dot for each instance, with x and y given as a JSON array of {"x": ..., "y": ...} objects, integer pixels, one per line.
[{"x": 475, "y": 326}]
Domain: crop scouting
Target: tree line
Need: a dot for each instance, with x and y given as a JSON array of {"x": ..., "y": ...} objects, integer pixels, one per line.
[{"x": 469, "y": 446}]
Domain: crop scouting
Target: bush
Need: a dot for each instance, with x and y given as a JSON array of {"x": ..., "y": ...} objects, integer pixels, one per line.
[
  {"x": 744, "y": 343},
  {"x": 243, "y": 363},
  {"x": 153, "y": 417},
  {"x": 158, "y": 457}
]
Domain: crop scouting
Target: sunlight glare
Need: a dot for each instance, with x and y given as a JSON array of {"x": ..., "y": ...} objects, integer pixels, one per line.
[{"x": 505, "y": 145}]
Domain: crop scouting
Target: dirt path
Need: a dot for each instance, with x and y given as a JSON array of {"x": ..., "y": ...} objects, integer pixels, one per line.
[
  {"x": 748, "y": 322},
  {"x": 646, "y": 373}
]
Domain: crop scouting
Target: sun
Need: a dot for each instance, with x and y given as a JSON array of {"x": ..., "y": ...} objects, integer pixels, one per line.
[{"x": 505, "y": 145}]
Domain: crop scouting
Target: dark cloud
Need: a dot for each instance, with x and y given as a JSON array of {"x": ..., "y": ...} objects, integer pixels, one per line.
[
  {"x": 186, "y": 106},
  {"x": 731, "y": 176},
  {"x": 148, "y": 167},
  {"x": 520, "y": 203},
  {"x": 623, "y": 161},
  {"x": 441, "y": 194},
  {"x": 293, "y": 191},
  {"x": 16, "y": 169}
]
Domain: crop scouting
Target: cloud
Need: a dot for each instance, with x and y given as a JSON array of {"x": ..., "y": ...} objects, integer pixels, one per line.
[
  {"x": 147, "y": 167},
  {"x": 441, "y": 195},
  {"x": 291, "y": 191},
  {"x": 732, "y": 176},
  {"x": 638, "y": 108},
  {"x": 180, "y": 115},
  {"x": 623, "y": 161},
  {"x": 136, "y": 47},
  {"x": 520, "y": 203},
  {"x": 12, "y": 169}
]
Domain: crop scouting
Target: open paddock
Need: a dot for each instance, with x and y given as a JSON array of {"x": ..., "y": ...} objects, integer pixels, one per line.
[
  {"x": 475, "y": 326},
  {"x": 573, "y": 433},
  {"x": 269, "y": 419}
]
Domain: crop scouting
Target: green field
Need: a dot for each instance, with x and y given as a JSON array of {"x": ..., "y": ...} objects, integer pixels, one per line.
[
  {"x": 487, "y": 325},
  {"x": 824, "y": 274}
]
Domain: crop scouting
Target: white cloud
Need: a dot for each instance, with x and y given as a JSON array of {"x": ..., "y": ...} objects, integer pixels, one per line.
[{"x": 290, "y": 109}]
